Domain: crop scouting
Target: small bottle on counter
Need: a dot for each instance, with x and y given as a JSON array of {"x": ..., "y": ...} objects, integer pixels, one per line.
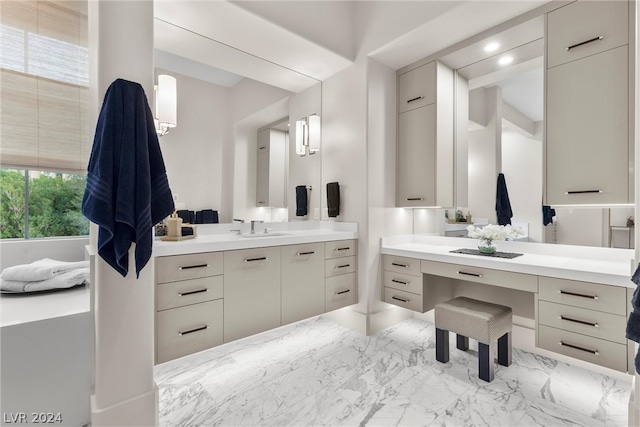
[
  {"x": 174, "y": 225},
  {"x": 469, "y": 217}
]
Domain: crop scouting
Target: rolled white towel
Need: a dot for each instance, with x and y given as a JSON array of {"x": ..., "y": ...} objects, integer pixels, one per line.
[
  {"x": 67, "y": 279},
  {"x": 43, "y": 269}
]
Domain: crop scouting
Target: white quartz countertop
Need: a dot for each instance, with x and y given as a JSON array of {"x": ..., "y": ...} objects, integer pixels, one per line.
[
  {"x": 600, "y": 265},
  {"x": 212, "y": 239}
]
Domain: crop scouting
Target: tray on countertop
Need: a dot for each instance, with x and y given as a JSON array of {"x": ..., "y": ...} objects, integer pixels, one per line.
[{"x": 507, "y": 255}]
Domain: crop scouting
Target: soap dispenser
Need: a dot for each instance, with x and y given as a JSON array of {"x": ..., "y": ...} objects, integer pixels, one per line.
[{"x": 174, "y": 225}]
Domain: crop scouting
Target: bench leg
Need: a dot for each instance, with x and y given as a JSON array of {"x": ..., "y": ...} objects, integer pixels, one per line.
[
  {"x": 442, "y": 345},
  {"x": 485, "y": 362},
  {"x": 462, "y": 342},
  {"x": 504, "y": 349}
]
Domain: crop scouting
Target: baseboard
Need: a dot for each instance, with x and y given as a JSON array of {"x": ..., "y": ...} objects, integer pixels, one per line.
[{"x": 141, "y": 410}]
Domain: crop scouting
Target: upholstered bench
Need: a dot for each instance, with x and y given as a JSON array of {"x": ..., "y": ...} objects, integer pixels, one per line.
[{"x": 482, "y": 321}]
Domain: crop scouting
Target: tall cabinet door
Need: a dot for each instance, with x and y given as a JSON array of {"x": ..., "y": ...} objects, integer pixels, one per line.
[
  {"x": 587, "y": 143},
  {"x": 416, "y": 157},
  {"x": 262, "y": 183},
  {"x": 302, "y": 281}
]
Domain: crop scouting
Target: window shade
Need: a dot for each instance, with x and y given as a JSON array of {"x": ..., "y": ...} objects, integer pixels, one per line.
[{"x": 44, "y": 85}]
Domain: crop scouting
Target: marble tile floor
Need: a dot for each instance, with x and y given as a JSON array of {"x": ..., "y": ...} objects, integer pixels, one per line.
[{"x": 317, "y": 372}]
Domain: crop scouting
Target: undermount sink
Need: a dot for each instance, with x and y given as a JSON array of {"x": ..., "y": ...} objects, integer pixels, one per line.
[{"x": 249, "y": 235}]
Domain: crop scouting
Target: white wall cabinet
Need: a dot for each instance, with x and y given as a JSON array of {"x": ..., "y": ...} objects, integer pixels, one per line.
[
  {"x": 425, "y": 150},
  {"x": 302, "y": 281},
  {"x": 588, "y": 139},
  {"x": 271, "y": 170}
]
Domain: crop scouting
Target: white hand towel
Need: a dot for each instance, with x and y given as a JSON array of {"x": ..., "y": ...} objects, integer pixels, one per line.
[
  {"x": 43, "y": 269},
  {"x": 67, "y": 279}
]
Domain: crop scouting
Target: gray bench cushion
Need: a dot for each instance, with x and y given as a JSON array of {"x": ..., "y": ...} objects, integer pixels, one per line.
[{"x": 482, "y": 321}]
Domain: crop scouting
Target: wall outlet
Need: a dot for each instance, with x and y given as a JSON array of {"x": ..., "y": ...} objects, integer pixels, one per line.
[
  {"x": 316, "y": 213},
  {"x": 175, "y": 197}
]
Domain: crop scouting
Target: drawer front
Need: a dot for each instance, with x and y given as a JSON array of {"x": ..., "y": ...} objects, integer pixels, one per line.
[
  {"x": 186, "y": 330},
  {"x": 585, "y": 21},
  {"x": 604, "y": 353},
  {"x": 506, "y": 279},
  {"x": 593, "y": 296},
  {"x": 252, "y": 264},
  {"x": 187, "y": 292},
  {"x": 403, "y": 282},
  {"x": 417, "y": 88},
  {"x": 340, "y": 291},
  {"x": 303, "y": 292},
  {"x": 404, "y": 299},
  {"x": 340, "y": 248},
  {"x": 338, "y": 266},
  {"x": 410, "y": 266},
  {"x": 191, "y": 266},
  {"x": 583, "y": 321}
]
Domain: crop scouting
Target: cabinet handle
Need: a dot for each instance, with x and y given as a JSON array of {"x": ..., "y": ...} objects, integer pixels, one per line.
[
  {"x": 464, "y": 273},
  {"x": 199, "y": 291},
  {"x": 343, "y": 266},
  {"x": 264, "y": 258},
  {"x": 595, "y": 39},
  {"x": 261, "y": 203},
  {"x": 190, "y": 331},
  {"x": 413, "y": 199},
  {"x": 399, "y": 281},
  {"x": 343, "y": 249},
  {"x": 187, "y": 267},
  {"x": 400, "y": 299},
  {"x": 417, "y": 98},
  {"x": 343, "y": 292},
  {"x": 400, "y": 265},
  {"x": 584, "y": 192},
  {"x": 582, "y": 322},
  {"x": 306, "y": 253},
  {"x": 262, "y": 148},
  {"x": 573, "y": 294},
  {"x": 595, "y": 352}
]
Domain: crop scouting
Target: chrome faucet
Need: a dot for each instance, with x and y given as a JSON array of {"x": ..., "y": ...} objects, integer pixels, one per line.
[{"x": 253, "y": 225}]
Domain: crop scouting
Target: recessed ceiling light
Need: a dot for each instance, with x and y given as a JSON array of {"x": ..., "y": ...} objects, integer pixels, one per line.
[
  {"x": 491, "y": 47},
  {"x": 505, "y": 60}
]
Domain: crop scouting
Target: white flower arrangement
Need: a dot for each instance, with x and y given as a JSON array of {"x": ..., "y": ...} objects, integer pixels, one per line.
[{"x": 493, "y": 232}]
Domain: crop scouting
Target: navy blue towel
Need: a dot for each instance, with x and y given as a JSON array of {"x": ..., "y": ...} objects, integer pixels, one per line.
[
  {"x": 333, "y": 199},
  {"x": 547, "y": 215},
  {"x": 503, "y": 206},
  {"x": 207, "y": 216},
  {"x": 301, "y": 200},
  {"x": 127, "y": 189},
  {"x": 633, "y": 323},
  {"x": 187, "y": 216}
]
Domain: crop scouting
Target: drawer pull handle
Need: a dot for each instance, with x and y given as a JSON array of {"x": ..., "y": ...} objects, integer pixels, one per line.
[
  {"x": 262, "y": 258},
  {"x": 417, "y": 98},
  {"x": 190, "y": 331},
  {"x": 343, "y": 292},
  {"x": 573, "y": 294},
  {"x": 188, "y": 267},
  {"x": 588, "y": 350},
  {"x": 595, "y": 39},
  {"x": 262, "y": 148},
  {"x": 584, "y": 192},
  {"x": 466, "y": 273},
  {"x": 400, "y": 265},
  {"x": 199, "y": 291},
  {"x": 343, "y": 266},
  {"x": 413, "y": 199},
  {"x": 306, "y": 253},
  {"x": 343, "y": 249},
  {"x": 399, "y": 281},
  {"x": 400, "y": 299},
  {"x": 582, "y": 322}
]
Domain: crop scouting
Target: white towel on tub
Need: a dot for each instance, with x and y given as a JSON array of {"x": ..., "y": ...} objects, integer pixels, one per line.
[
  {"x": 68, "y": 279},
  {"x": 43, "y": 269}
]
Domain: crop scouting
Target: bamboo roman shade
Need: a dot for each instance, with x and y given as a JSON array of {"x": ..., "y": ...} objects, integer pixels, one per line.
[{"x": 44, "y": 85}]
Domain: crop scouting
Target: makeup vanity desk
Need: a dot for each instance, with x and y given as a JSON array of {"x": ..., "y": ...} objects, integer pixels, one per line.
[{"x": 581, "y": 295}]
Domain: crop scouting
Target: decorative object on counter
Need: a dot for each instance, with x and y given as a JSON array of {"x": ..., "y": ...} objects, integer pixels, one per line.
[
  {"x": 491, "y": 232},
  {"x": 503, "y": 205},
  {"x": 44, "y": 275},
  {"x": 333, "y": 199},
  {"x": 496, "y": 254},
  {"x": 630, "y": 222},
  {"x": 301, "y": 200},
  {"x": 547, "y": 215},
  {"x": 176, "y": 231},
  {"x": 633, "y": 324},
  {"x": 161, "y": 230},
  {"x": 469, "y": 218},
  {"x": 125, "y": 169}
]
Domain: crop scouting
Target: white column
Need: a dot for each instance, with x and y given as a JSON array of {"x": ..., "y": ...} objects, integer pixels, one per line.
[{"x": 124, "y": 392}]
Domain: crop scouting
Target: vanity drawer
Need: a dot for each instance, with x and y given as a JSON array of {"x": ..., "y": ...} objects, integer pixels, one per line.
[
  {"x": 338, "y": 266},
  {"x": 340, "y": 291},
  {"x": 404, "y": 299},
  {"x": 186, "y": 330},
  {"x": 506, "y": 279},
  {"x": 191, "y": 266},
  {"x": 410, "y": 266},
  {"x": 601, "y": 352},
  {"x": 417, "y": 88},
  {"x": 586, "y": 21},
  {"x": 403, "y": 282},
  {"x": 187, "y": 292},
  {"x": 583, "y": 321},
  {"x": 593, "y": 296},
  {"x": 339, "y": 248}
]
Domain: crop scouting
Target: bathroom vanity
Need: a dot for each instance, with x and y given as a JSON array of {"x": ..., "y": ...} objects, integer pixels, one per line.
[
  {"x": 226, "y": 285},
  {"x": 576, "y": 298}
]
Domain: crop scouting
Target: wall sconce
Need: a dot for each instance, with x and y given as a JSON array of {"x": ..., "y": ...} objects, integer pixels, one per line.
[
  {"x": 166, "y": 104},
  {"x": 308, "y": 135}
]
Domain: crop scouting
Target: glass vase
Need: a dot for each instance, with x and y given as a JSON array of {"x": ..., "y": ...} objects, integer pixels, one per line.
[{"x": 486, "y": 246}]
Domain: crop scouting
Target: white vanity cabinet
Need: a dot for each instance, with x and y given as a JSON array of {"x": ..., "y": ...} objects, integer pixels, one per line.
[
  {"x": 425, "y": 148},
  {"x": 251, "y": 291},
  {"x": 588, "y": 138},
  {"x": 340, "y": 274},
  {"x": 302, "y": 281},
  {"x": 271, "y": 168},
  {"x": 402, "y": 281}
]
